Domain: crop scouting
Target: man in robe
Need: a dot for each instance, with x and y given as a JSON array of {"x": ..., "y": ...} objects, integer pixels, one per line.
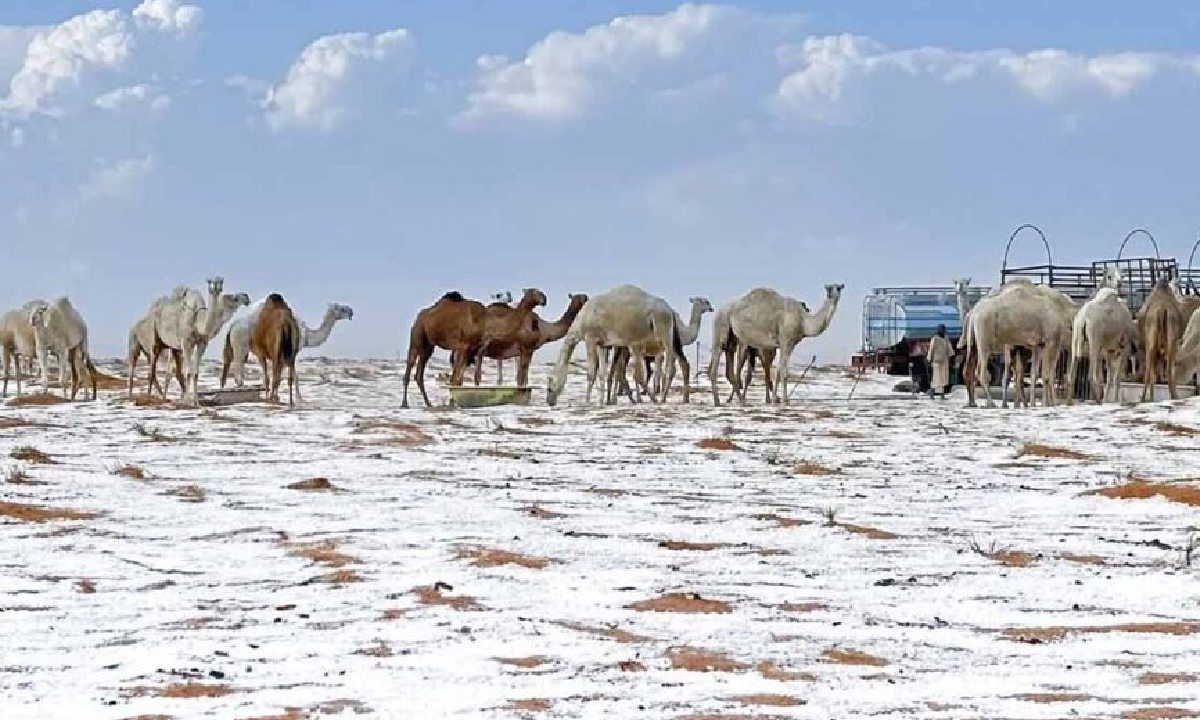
[{"x": 938, "y": 357}]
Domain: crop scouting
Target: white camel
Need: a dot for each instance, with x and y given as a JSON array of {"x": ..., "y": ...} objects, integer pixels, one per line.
[
  {"x": 625, "y": 316},
  {"x": 1187, "y": 360},
  {"x": 1105, "y": 331},
  {"x": 17, "y": 341},
  {"x": 185, "y": 323},
  {"x": 766, "y": 321},
  {"x": 141, "y": 342},
  {"x": 236, "y": 349},
  {"x": 685, "y": 335},
  {"x": 59, "y": 328},
  {"x": 1020, "y": 314}
]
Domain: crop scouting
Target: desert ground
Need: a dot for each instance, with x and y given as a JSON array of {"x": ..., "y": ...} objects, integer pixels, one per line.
[{"x": 876, "y": 556}]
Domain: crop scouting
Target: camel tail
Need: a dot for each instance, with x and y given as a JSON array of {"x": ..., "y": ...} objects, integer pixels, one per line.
[
  {"x": 226, "y": 358},
  {"x": 289, "y": 342}
]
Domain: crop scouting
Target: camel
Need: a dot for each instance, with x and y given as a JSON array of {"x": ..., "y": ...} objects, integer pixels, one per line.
[
  {"x": 1160, "y": 327},
  {"x": 1020, "y": 314},
  {"x": 1187, "y": 361},
  {"x": 685, "y": 335},
  {"x": 185, "y": 323},
  {"x": 765, "y": 320},
  {"x": 17, "y": 341},
  {"x": 1104, "y": 329},
  {"x": 509, "y": 331},
  {"x": 59, "y": 328},
  {"x": 275, "y": 339},
  {"x": 547, "y": 332},
  {"x": 453, "y": 323},
  {"x": 626, "y": 316},
  {"x": 725, "y": 344},
  {"x": 141, "y": 342},
  {"x": 236, "y": 348}
]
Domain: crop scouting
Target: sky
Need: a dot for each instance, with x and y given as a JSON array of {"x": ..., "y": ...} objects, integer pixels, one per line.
[{"x": 378, "y": 153}]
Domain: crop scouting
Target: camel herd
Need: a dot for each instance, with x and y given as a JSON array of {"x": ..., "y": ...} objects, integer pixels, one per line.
[
  {"x": 181, "y": 323},
  {"x": 1162, "y": 339},
  {"x": 1032, "y": 327},
  {"x": 622, "y": 324}
]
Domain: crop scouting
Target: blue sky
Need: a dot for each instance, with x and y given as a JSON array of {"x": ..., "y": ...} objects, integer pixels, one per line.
[{"x": 380, "y": 153}]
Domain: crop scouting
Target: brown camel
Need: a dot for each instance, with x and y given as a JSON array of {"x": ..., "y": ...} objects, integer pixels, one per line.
[
  {"x": 452, "y": 323},
  {"x": 1160, "y": 325},
  {"x": 535, "y": 333},
  {"x": 510, "y": 332},
  {"x": 276, "y": 338}
]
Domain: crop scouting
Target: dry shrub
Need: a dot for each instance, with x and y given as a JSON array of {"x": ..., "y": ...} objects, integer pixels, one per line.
[
  {"x": 846, "y": 656},
  {"x": 609, "y": 633},
  {"x": 685, "y": 545},
  {"x": 1153, "y": 678},
  {"x": 681, "y": 603},
  {"x": 85, "y": 586},
  {"x": 1177, "y": 429},
  {"x": 805, "y": 467},
  {"x": 393, "y": 614},
  {"x": 36, "y": 400},
  {"x": 541, "y": 513},
  {"x": 394, "y": 432},
  {"x": 323, "y": 552},
  {"x": 534, "y": 420},
  {"x": 782, "y": 520},
  {"x": 526, "y": 663},
  {"x": 187, "y": 493},
  {"x": 432, "y": 595},
  {"x": 379, "y": 649},
  {"x": 13, "y": 423},
  {"x": 498, "y": 453},
  {"x": 313, "y": 484},
  {"x": 1053, "y": 697},
  {"x": 631, "y": 666},
  {"x": 700, "y": 660},
  {"x": 1058, "y": 632},
  {"x": 717, "y": 443},
  {"x": 105, "y": 381},
  {"x": 771, "y": 671},
  {"x": 1032, "y": 449},
  {"x": 1141, "y": 489},
  {"x": 147, "y": 400},
  {"x": 488, "y": 558},
  {"x": 1004, "y": 556},
  {"x": 768, "y": 699},
  {"x": 529, "y": 705},
  {"x": 151, "y": 434},
  {"x": 133, "y": 472},
  {"x": 41, "y": 513},
  {"x": 16, "y": 475},
  {"x": 30, "y": 454}
]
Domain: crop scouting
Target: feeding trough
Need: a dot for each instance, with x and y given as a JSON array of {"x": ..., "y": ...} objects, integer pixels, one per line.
[
  {"x": 232, "y": 396},
  {"x": 476, "y": 396}
]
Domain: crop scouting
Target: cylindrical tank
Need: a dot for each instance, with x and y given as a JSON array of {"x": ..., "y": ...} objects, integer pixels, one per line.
[{"x": 892, "y": 317}]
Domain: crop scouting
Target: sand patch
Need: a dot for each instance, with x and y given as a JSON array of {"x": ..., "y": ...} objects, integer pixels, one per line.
[
  {"x": 525, "y": 663},
  {"x": 335, "y": 578},
  {"x": 323, "y": 552},
  {"x": 771, "y": 671},
  {"x": 847, "y": 656},
  {"x": 700, "y": 660},
  {"x": 681, "y": 603},
  {"x": 14, "y": 423},
  {"x": 41, "y": 513},
  {"x": 1082, "y": 559},
  {"x": 1154, "y": 678},
  {"x": 868, "y": 532},
  {"x": 392, "y": 432},
  {"x": 1141, "y": 489},
  {"x": 529, "y": 705},
  {"x": 317, "y": 484},
  {"x": 432, "y": 595},
  {"x": 180, "y": 690},
  {"x": 30, "y": 454},
  {"x": 187, "y": 493},
  {"x": 133, "y": 472},
  {"x": 1053, "y": 697},
  {"x": 1159, "y": 713},
  {"x": 700, "y": 546},
  {"x": 782, "y": 520},
  {"x": 804, "y": 607},
  {"x": 609, "y": 633},
  {"x": 631, "y": 666},
  {"x": 1033, "y": 449},
  {"x": 768, "y": 699},
  {"x": 1058, "y": 632},
  {"x": 491, "y": 557},
  {"x": 717, "y": 443},
  {"x": 36, "y": 400},
  {"x": 541, "y": 513},
  {"x": 804, "y": 467}
]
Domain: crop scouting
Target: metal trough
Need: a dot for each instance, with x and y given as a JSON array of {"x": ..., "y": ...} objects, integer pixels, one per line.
[
  {"x": 233, "y": 396},
  {"x": 475, "y": 396}
]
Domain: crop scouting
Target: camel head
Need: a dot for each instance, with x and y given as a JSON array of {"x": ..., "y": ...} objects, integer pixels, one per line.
[
  {"x": 230, "y": 303},
  {"x": 533, "y": 297},
  {"x": 702, "y": 304},
  {"x": 961, "y": 284},
  {"x": 833, "y": 292},
  {"x": 576, "y": 301},
  {"x": 215, "y": 286},
  {"x": 37, "y": 316},
  {"x": 340, "y": 312}
]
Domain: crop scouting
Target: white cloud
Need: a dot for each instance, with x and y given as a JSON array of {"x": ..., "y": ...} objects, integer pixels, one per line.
[
  {"x": 133, "y": 96},
  {"x": 832, "y": 72},
  {"x": 331, "y": 76},
  {"x": 565, "y": 74},
  {"x": 117, "y": 180},
  {"x": 168, "y": 15},
  {"x": 65, "y": 65}
]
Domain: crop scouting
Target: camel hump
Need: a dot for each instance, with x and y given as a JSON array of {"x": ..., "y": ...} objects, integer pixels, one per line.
[{"x": 453, "y": 296}]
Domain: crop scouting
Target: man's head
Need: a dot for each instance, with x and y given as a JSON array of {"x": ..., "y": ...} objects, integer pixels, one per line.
[{"x": 941, "y": 330}]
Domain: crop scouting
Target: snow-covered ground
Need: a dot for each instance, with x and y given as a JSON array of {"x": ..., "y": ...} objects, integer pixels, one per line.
[{"x": 882, "y": 556}]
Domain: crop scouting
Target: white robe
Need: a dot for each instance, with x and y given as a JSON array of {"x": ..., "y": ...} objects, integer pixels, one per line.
[{"x": 938, "y": 358}]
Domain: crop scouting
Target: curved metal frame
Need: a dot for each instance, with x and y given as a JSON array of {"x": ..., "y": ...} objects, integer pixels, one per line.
[
  {"x": 1191, "y": 256},
  {"x": 1042, "y": 235},
  {"x": 1135, "y": 231}
]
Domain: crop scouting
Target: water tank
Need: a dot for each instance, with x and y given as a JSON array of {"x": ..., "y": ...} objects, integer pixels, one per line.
[{"x": 894, "y": 315}]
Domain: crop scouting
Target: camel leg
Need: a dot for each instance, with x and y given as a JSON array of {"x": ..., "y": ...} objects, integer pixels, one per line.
[
  {"x": 7, "y": 362},
  {"x": 154, "y": 353},
  {"x": 785, "y": 362},
  {"x": 276, "y": 374},
  {"x": 1172, "y": 346},
  {"x": 768, "y": 367},
  {"x": 735, "y": 374},
  {"x": 714, "y": 366},
  {"x": 592, "y": 367},
  {"x": 523, "y": 365},
  {"x": 687, "y": 372},
  {"x": 1150, "y": 364},
  {"x": 177, "y": 357},
  {"x": 423, "y": 356},
  {"x": 412, "y": 356}
]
